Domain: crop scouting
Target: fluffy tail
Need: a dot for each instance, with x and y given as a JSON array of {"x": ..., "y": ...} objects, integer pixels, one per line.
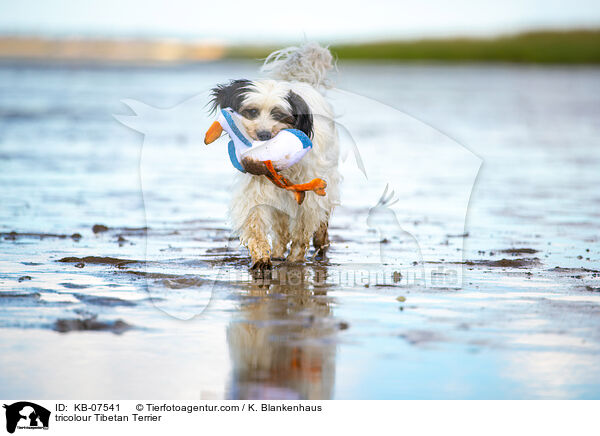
[{"x": 308, "y": 63}]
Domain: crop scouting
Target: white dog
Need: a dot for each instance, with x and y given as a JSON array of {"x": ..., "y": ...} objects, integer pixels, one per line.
[{"x": 265, "y": 217}]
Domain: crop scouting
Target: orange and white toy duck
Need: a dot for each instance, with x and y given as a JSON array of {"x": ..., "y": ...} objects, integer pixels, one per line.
[{"x": 265, "y": 158}]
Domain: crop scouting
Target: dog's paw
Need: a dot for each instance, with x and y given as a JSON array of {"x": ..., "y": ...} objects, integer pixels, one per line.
[
  {"x": 295, "y": 257},
  {"x": 320, "y": 254},
  {"x": 261, "y": 268},
  {"x": 262, "y": 264}
]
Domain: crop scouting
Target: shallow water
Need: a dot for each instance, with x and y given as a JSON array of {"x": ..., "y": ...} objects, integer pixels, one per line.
[{"x": 183, "y": 319}]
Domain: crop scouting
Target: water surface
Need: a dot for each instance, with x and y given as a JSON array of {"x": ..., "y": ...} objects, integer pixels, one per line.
[{"x": 157, "y": 303}]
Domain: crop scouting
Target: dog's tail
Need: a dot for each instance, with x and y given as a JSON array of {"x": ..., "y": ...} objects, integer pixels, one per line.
[{"x": 308, "y": 63}]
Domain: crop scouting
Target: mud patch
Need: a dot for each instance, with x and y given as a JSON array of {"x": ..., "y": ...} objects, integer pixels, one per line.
[
  {"x": 589, "y": 288},
  {"x": 518, "y": 251},
  {"x": 559, "y": 269},
  {"x": 90, "y": 324},
  {"x": 104, "y": 301},
  {"x": 134, "y": 229},
  {"x": 74, "y": 286},
  {"x": 506, "y": 263},
  {"x": 151, "y": 275},
  {"x": 183, "y": 282},
  {"x": 236, "y": 261},
  {"x": 19, "y": 295},
  {"x": 13, "y": 236},
  {"x": 99, "y": 228},
  {"x": 462, "y": 235},
  {"x": 219, "y": 250},
  {"x": 123, "y": 231},
  {"x": 98, "y": 260}
]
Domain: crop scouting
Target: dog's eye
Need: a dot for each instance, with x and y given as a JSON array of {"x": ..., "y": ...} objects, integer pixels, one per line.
[
  {"x": 250, "y": 113},
  {"x": 283, "y": 117}
]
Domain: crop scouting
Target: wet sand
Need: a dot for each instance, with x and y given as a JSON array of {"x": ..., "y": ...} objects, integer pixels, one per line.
[{"x": 106, "y": 293}]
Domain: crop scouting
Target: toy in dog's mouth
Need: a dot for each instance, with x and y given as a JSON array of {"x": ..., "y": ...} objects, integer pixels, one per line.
[
  {"x": 265, "y": 158},
  {"x": 213, "y": 133}
]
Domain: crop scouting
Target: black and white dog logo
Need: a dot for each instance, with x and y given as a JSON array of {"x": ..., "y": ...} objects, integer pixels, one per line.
[{"x": 26, "y": 415}]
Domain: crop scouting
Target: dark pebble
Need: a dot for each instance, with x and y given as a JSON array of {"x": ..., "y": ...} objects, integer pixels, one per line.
[{"x": 99, "y": 228}]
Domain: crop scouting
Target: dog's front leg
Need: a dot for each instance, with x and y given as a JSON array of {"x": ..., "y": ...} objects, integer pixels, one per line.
[
  {"x": 321, "y": 241},
  {"x": 254, "y": 237},
  {"x": 281, "y": 234},
  {"x": 298, "y": 250},
  {"x": 300, "y": 241}
]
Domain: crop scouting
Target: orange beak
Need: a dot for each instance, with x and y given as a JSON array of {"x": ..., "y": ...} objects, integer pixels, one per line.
[{"x": 213, "y": 133}]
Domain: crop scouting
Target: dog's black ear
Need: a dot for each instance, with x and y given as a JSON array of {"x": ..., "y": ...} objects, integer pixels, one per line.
[
  {"x": 229, "y": 95},
  {"x": 303, "y": 119}
]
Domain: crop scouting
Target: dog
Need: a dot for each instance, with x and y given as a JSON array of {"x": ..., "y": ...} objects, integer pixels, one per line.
[{"x": 267, "y": 219}]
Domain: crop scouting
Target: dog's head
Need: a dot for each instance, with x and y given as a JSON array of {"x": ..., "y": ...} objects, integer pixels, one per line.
[{"x": 266, "y": 107}]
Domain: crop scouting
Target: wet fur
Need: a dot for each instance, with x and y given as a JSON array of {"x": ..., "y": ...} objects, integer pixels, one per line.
[{"x": 265, "y": 217}]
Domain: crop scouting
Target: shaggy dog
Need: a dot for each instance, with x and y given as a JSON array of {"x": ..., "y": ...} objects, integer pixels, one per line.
[{"x": 266, "y": 218}]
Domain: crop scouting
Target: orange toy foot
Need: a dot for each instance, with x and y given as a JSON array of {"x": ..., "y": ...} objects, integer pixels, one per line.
[
  {"x": 283, "y": 183},
  {"x": 316, "y": 185}
]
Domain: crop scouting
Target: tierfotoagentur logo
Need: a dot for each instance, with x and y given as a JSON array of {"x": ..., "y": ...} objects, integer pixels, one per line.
[{"x": 25, "y": 415}]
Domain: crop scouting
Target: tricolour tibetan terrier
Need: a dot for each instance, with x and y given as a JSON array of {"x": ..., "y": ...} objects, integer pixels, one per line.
[{"x": 265, "y": 217}]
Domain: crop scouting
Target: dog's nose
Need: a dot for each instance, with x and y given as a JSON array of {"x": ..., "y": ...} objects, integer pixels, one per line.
[{"x": 263, "y": 135}]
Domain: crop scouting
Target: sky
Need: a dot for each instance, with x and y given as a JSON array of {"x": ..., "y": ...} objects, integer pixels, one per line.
[{"x": 263, "y": 21}]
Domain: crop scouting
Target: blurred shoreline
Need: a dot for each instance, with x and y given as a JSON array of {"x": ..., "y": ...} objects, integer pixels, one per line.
[
  {"x": 546, "y": 47},
  {"x": 125, "y": 51}
]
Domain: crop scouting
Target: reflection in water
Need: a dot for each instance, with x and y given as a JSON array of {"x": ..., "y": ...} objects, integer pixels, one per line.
[{"x": 282, "y": 347}]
